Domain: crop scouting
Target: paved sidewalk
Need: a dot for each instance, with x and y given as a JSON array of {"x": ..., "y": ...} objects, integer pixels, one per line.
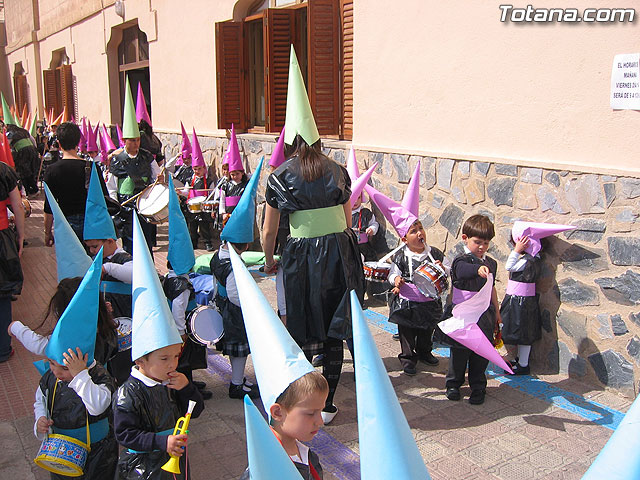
[{"x": 546, "y": 426}]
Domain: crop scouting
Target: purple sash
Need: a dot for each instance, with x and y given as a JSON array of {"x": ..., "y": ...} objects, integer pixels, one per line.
[
  {"x": 363, "y": 238},
  {"x": 458, "y": 296},
  {"x": 521, "y": 289},
  {"x": 232, "y": 201},
  {"x": 411, "y": 292}
]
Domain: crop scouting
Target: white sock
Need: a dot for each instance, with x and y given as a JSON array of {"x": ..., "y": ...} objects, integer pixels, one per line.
[
  {"x": 237, "y": 369},
  {"x": 523, "y": 355}
]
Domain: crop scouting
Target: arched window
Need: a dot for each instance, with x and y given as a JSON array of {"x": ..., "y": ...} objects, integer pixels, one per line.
[{"x": 133, "y": 61}]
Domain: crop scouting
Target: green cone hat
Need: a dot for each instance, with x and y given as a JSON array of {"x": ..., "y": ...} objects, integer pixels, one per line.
[
  {"x": 299, "y": 120},
  {"x": 129, "y": 122},
  {"x": 6, "y": 113}
]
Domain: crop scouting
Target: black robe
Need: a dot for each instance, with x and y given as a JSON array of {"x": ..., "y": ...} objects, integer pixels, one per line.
[
  {"x": 318, "y": 272},
  {"x": 140, "y": 412},
  {"x": 231, "y": 190},
  {"x": 360, "y": 222},
  {"x": 522, "y": 323},
  {"x": 69, "y": 412},
  {"x": 303, "y": 469},
  {"x": 10, "y": 268}
]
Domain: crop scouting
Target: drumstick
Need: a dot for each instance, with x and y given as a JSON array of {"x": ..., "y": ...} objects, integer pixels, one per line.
[{"x": 388, "y": 255}]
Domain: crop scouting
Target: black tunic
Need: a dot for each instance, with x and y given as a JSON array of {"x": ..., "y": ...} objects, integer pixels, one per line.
[
  {"x": 231, "y": 190},
  {"x": 139, "y": 413},
  {"x": 69, "y": 412},
  {"x": 10, "y": 269},
  {"x": 522, "y": 324},
  {"x": 409, "y": 313},
  {"x": 303, "y": 469},
  {"x": 360, "y": 222},
  {"x": 318, "y": 272}
]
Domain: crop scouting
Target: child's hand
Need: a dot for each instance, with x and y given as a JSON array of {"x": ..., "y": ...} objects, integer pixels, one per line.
[
  {"x": 399, "y": 281},
  {"x": 522, "y": 244},
  {"x": 9, "y": 329},
  {"x": 483, "y": 271},
  {"x": 75, "y": 362},
  {"x": 43, "y": 424},
  {"x": 109, "y": 307},
  {"x": 177, "y": 381},
  {"x": 369, "y": 232},
  {"x": 395, "y": 291},
  {"x": 176, "y": 444}
]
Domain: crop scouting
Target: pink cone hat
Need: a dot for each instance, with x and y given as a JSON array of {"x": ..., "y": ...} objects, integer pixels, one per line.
[
  {"x": 396, "y": 214},
  {"x": 185, "y": 148},
  {"x": 354, "y": 174},
  {"x": 197, "y": 159},
  {"x": 92, "y": 143},
  {"x": 411, "y": 200},
  {"x": 141, "y": 107},
  {"x": 104, "y": 154},
  {"x": 358, "y": 185},
  {"x": 277, "y": 156},
  {"x": 106, "y": 140},
  {"x": 233, "y": 159},
  {"x": 536, "y": 231},
  {"x": 82, "y": 146},
  {"x": 120, "y": 139},
  {"x": 463, "y": 326}
]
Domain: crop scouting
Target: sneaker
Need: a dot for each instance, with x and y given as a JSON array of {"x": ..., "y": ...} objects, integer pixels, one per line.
[
  {"x": 411, "y": 371},
  {"x": 453, "y": 393},
  {"x": 477, "y": 397},
  {"x": 329, "y": 413},
  {"x": 239, "y": 391},
  {"x": 318, "y": 360},
  {"x": 199, "y": 385},
  {"x": 520, "y": 370},
  {"x": 429, "y": 359},
  {"x": 8, "y": 356}
]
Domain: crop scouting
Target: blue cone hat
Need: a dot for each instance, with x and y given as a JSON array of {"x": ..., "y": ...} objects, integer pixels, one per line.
[
  {"x": 277, "y": 360},
  {"x": 620, "y": 457},
  {"x": 98, "y": 224},
  {"x": 153, "y": 325},
  {"x": 180, "y": 253},
  {"x": 78, "y": 325},
  {"x": 267, "y": 458},
  {"x": 71, "y": 258},
  {"x": 387, "y": 447},
  {"x": 239, "y": 227}
]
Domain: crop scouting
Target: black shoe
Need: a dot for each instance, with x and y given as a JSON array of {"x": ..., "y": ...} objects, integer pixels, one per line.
[
  {"x": 318, "y": 360},
  {"x": 429, "y": 359},
  {"x": 239, "y": 391},
  {"x": 396, "y": 336},
  {"x": 520, "y": 370},
  {"x": 476, "y": 397},
  {"x": 206, "y": 394},
  {"x": 209, "y": 247},
  {"x": 453, "y": 393},
  {"x": 199, "y": 385},
  {"x": 411, "y": 371}
]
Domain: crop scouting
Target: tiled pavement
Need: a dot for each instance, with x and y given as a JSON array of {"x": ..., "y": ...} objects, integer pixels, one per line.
[{"x": 525, "y": 430}]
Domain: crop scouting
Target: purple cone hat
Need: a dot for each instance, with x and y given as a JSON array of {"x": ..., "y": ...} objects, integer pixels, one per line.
[
  {"x": 185, "y": 147},
  {"x": 354, "y": 173},
  {"x": 358, "y": 185},
  {"x": 536, "y": 231},
  {"x": 234, "y": 160},
  {"x": 120, "y": 139},
  {"x": 92, "y": 144},
  {"x": 82, "y": 146},
  {"x": 411, "y": 200},
  {"x": 197, "y": 159},
  {"x": 141, "y": 107},
  {"x": 396, "y": 214},
  {"x": 277, "y": 157},
  {"x": 106, "y": 139}
]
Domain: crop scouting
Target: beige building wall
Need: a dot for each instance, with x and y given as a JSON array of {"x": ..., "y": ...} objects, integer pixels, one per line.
[{"x": 453, "y": 81}]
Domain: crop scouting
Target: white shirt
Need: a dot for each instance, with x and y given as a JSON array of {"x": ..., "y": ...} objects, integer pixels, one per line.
[
  {"x": 232, "y": 289},
  {"x": 149, "y": 382},
  {"x": 32, "y": 341},
  {"x": 418, "y": 257},
  {"x": 515, "y": 262},
  {"x": 122, "y": 273},
  {"x": 304, "y": 453},
  {"x": 373, "y": 224}
]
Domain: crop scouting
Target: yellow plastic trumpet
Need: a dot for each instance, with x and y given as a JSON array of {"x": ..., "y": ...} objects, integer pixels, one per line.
[{"x": 182, "y": 426}]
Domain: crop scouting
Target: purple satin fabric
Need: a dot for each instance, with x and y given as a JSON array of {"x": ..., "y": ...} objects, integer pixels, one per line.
[
  {"x": 232, "y": 201},
  {"x": 521, "y": 289},
  {"x": 459, "y": 296},
  {"x": 411, "y": 292},
  {"x": 363, "y": 238}
]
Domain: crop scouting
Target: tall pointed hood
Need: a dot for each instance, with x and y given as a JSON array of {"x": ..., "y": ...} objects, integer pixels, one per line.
[
  {"x": 396, "y": 214},
  {"x": 299, "y": 119},
  {"x": 98, "y": 224},
  {"x": 180, "y": 253},
  {"x": 71, "y": 258},
  {"x": 106, "y": 140},
  {"x": 141, "y": 107},
  {"x": 153, "y": 325},
  {"x": 411, "y": 200},
  {"x": 233, "y": 154},
  {"x": 82, "y": 145},
  {"x": 277, "y": 360},
  {"x": 92, "y": 138},
  {"x": 277, "y": 156},
  {"x": 104, "y": 154},
  {"x": 354, "y": 174},
  {"x": 239, "y": 227},
  {"x": 185, "y": 147},
  {"x": 267, "y": 458},
  {"x": 536, "y": 231},
  {"x": 66, "y": 117},
  {"x": 357, "y": 186},
  {"x": 78, "y": 325},
  {"x": 7, "y": 156},
  {"x": 120, "y": 139},
  {"x": 6, "y": 112},
  {"x": 58, "y": 119},
  {"x": 129, "y": 123},
  {"x": 33, "y": 129},
  {"x": 380, "y": 429},
  {"x": 197, "y": 159}
]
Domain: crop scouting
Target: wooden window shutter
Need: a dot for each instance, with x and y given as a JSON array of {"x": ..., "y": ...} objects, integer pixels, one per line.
[
  {"x": 230, "y": 78},
  {"x": 324, "y": 64},
  {"x": 50, "y": 91},
  {"x": 66, "y": 89},
  {"x": 20, "y": 89},
  {"x": 278, "y": 38},
  {"x": 347, "y": 68}
]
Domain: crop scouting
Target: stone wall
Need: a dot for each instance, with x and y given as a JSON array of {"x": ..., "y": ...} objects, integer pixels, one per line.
[{"x": 590, "y": 282}]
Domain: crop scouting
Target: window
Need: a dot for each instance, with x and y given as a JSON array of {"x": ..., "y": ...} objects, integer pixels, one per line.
[
  {"x": 252, "y": 61},
  {"x": 133, "y": 61},
  {"x": 20, "y": 88},
  {"x": 58, "y": 85}
]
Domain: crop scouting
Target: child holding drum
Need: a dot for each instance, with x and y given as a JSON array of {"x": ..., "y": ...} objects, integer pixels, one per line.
[{"x": 415, "y": 313}]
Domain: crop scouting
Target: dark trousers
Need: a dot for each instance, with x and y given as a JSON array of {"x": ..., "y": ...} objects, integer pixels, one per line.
[
  {"x": 458, "y": 361},
  {"x": 202, "y": 222},
  {"x": 414, "y": 343},
  {"x": 5, "y": 320},
  {"x": 148, "y": 230},
  {"x": 332, "y": 365}
]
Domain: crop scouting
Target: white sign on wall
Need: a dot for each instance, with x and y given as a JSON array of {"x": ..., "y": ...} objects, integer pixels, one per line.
[{"x": 625, "y": 82}]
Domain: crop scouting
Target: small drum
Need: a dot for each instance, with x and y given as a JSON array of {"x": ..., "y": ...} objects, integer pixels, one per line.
[
  {"x": 194, "y": 204},
  {"x": 205, "y": 324},
  {"x": 431, "y": 279},
  {"x": 62, "y": 455},
  {"x": 124, "y": 333},
  {"x": 153, "y": 204},
  {"x": 376, "y": 271},
  {"x": 210, "y": 206}
]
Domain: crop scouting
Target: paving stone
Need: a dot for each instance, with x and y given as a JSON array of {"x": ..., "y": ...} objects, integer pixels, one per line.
[
  {"x": 609, "y": 193},
  {"x": 633, "y": 349},
  {"x": 624, "y": 250},
  {"x": 508, "y": 170},
  {"x": 629, "y": 187},
  {"x": 623, "y": 289},
  {"x": 635, "y": 318},
  {"x": 464, "y": 169},
  {"x": 500, "y": 190},
  {"x": 444, "y": 173},
  {"x": 617, "y": 325},
  {"x": 580, "y": 259},
  {"x": 548, "y": 200},
  {"x": 482, "y": 168},
  {"x": 589, "y": 230},
  {"x": 553, "y": 178},
  {"x": 451, "y": 219},
  {"x": 604, "y": 327},
  {"x": 427, "y": 172},
  {"x": 569, "y": 362},
  {"x": 574, "y": 324},
  {"x": 578, "y": 293},
  {"x": 474, "y": 191},
  {"x": 458, "y": 194},
  {"x": 584, "y": 194},
  {"x": 612, "y": 369},
  {"x": 401, "y": 165},
  {"x": 531, "y": 175},
  {"x": 437, "y": 200}
]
